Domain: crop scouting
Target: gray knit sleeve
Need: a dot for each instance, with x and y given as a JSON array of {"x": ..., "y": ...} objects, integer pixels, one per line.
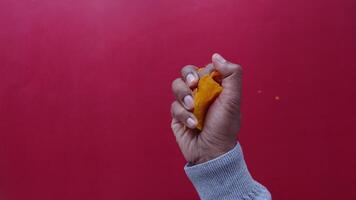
[{"x": 227, "y": 178}]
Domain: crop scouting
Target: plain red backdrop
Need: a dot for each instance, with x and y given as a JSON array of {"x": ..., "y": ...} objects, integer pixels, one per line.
[{"x": 85, "y": 94}]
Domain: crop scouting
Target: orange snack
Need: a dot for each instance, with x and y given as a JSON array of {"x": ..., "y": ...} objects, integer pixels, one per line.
[{"x": 205, "y": 94}]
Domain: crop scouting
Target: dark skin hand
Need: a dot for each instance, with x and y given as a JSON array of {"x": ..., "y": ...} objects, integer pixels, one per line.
[{"x": 222, "y": 121}]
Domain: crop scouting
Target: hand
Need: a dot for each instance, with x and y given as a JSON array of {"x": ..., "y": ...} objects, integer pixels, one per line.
[{"x": 222, "y": 121}]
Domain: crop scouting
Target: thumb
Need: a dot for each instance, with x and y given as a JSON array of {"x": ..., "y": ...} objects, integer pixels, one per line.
[{"x": 231, "y": 73}]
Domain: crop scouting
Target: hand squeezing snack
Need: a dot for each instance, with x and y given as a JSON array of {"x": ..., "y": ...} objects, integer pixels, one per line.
[
  {"x": 206, "y": 109},
  {"x": 204, "y": 95},
  {"x": 205, "y": 122}
]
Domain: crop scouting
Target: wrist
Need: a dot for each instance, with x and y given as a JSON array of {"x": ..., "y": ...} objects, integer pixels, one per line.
[{"x": 214, "y": 152}]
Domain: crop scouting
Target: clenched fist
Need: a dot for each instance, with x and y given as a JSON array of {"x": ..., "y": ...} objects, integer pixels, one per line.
[{"x": 222, "y": 121}]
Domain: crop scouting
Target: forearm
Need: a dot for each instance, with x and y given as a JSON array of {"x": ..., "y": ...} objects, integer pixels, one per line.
[{"x": 226, "y": 177}]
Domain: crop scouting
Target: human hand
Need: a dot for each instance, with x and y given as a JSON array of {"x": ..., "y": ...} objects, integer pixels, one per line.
[{"x": 222, "y": 121}]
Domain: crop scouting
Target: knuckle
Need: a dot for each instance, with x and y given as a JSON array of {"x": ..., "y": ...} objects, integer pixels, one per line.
[
  {"x": 186, "y": 69},
  {"x": 180, "y": 113},
  {"x": 239, "y": 68},
  {"x": 177, "y": 111},
  {"x": 173, "y": 125},
  {"x": 181, "y": 90},
  {"x": 236, "y": 68},
  {"x": 175, "y": 83},
  {"x": 174, "y": 109}
]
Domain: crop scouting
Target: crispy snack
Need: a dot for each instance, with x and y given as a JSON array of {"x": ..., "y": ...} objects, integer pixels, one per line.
[{"x": 207, "y": 91}]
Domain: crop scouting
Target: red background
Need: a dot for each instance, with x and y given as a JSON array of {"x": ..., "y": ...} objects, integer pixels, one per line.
[{"x": 85, "y": 94}]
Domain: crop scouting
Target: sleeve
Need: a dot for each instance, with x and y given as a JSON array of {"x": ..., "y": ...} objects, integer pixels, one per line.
[{"x": 227, "y": 178}]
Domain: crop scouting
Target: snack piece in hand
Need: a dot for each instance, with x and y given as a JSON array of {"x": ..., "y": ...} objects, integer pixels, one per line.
[{"x": 204, "y": 95}]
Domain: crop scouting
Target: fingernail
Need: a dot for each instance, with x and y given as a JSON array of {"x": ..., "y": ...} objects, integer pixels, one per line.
[
  {"x": 190, "y": 78},
  {"x": 219, "y": 58},
  {"x": 191, "y": 122},
  {"x": 188, "y": 101}
]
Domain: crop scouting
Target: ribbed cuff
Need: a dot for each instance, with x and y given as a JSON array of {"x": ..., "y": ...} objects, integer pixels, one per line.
[{"x": 225, "y": 177}]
